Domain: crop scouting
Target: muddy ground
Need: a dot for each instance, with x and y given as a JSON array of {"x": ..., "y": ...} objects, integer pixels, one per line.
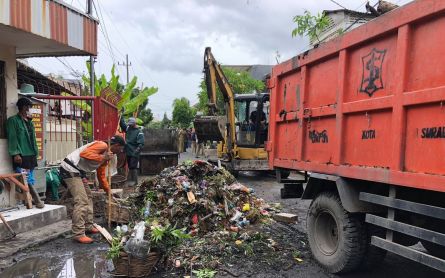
[{"x": 64, "y": 258}]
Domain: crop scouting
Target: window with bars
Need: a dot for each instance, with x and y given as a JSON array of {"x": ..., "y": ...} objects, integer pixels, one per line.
[{"x": 2, "y": 99}]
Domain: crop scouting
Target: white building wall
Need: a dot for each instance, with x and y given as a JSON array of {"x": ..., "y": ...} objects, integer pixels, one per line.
[{"x": 7, "y": 54}]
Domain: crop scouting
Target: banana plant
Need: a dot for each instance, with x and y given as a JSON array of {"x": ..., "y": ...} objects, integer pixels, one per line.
[{"x": 127, "y": 103}]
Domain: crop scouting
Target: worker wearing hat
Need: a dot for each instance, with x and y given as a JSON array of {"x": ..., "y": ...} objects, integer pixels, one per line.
[
  {"x": 22, "y": 145},
  {"x": 135, "y": 141},
  {"x": 73, "y": 169}
]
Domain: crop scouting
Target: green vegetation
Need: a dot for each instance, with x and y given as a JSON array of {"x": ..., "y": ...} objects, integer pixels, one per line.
[
  {"x": 115, "y": 249},
  {"x": 241, "y": 83},
  {"x": 205, "y": 273},
  {"x": 309, "y": 25},
  {"x": 166, "y": 237},
  {"x": 183, "y": 113}
]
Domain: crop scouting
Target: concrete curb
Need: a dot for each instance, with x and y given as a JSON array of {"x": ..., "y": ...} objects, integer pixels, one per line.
[{"x": 22, "y": 241}]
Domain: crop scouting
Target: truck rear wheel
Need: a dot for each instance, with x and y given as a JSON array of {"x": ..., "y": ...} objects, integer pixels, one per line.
[{"x": 337, "y": 238}]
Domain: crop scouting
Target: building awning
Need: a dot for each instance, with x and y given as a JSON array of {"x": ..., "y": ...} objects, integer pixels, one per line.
[
  {"x": 43, "y": 84},
  {"x": 42, "y": 28}
]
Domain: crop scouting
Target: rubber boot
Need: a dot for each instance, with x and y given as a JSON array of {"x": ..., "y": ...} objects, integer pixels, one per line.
[
  {"x": 36, "y": 198},
  {"x": 135, "y": 176},
  {"x": 130, "y": 178},
  {"x": 83, "y": 239}
]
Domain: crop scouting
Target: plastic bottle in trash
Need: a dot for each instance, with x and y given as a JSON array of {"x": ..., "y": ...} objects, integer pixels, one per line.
[
  {"x": 147, "y": 209},
  {"x": 136, "y": 245}
]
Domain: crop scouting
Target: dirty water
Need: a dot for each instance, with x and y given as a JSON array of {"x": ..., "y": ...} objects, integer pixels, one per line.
[{"x": 61, "y": 258}]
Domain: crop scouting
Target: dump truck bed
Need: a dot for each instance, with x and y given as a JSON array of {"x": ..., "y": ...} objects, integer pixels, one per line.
[{"x": 369, "y": 104}]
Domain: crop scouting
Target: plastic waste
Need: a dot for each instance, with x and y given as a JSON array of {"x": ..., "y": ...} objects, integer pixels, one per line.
[
  {"x": 236, "y": 217},
  {"x": 186, "y": 186},
  {"x": 139, "y": 231},
  {"x": 136, "y": 245},
  {"x": 243, "y": 223},
  {"x": 147, "y": 209},
  {"x": 246, "y": 207}
]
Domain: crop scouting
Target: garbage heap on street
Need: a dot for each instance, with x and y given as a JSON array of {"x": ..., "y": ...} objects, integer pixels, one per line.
[{"x": 188, "y": 207}]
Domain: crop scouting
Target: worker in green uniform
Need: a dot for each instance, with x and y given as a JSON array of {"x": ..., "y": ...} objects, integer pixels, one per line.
[
  {"x": 22, "y": 145},
  {"x": 135, "y": 141}
]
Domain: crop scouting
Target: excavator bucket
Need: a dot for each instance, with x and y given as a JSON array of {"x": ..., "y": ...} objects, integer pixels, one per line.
[{"x": 210, "y": 128}]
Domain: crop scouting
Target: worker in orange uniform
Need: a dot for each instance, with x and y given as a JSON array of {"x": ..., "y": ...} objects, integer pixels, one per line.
[{"x": 73, "y": 169}]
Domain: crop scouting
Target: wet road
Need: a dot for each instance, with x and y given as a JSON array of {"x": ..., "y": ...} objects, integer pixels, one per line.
[
  {"x": 63, "y": 258},
  {"x": 393, "y": 266}
]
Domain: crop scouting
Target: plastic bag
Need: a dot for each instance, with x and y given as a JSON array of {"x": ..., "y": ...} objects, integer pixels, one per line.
[{"x": 136, "y": 245}]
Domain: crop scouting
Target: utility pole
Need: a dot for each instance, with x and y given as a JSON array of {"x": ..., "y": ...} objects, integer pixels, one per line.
[
  {"x": 127, "y": 65},
  {"x": 92, "y": 75}
]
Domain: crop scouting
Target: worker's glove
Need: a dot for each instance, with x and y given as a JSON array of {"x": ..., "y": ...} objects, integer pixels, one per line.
[{"x": 138, "y": 150}]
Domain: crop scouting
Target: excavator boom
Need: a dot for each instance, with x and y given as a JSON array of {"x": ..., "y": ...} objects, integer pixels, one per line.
[{"x": 213, "y": 127}]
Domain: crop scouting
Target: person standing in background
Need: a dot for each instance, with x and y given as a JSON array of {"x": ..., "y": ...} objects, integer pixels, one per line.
[
  {"x": 135, "y": 142},
  {"x": 193, "y": 138},
  {"x": 181, "y": 140},
  {"x": 22, "y": 145}
]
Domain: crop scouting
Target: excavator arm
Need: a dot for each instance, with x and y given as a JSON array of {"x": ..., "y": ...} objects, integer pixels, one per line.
[{"x": 213, "y": 127}]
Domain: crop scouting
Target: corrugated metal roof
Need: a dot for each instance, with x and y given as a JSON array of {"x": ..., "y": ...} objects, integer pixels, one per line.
[
  {"x": 54, "y": 20},
  {"x": 43, "y": 84},
  {"x": 40, "y": 23},
  {"x": 75, "y": 32},
  {"x": 5, "y": 12}
]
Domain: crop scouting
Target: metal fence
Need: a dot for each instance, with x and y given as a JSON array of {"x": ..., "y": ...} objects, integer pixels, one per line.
[{"x": 72, "y": 121}]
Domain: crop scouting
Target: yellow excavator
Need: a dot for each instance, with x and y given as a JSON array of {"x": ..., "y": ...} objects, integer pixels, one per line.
[{"x": 242, "y": 131}]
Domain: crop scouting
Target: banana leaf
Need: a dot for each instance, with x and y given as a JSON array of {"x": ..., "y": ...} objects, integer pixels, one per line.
[
  {"x": 127, "y": 92},
  {"x": 81, "y": 104},
  {"x": 114, "y": 81},
  {"x": 134, "y": 104}
]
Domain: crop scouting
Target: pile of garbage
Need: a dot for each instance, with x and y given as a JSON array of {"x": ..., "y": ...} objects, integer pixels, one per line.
[
  {"x": 191, "y": 204},
  {"x": 198, "y": 197}
]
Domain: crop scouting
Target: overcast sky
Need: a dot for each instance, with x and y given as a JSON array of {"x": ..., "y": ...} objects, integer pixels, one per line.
[{"x": 165, "y": 39}]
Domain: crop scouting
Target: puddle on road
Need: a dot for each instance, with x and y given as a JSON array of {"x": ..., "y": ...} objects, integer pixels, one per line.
[{"x": 66, "y": 266}]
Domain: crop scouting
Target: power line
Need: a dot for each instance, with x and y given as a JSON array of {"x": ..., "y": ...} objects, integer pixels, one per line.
[
  {"x": 135, "y": 59},
  {"x": 366, "y": 1},
  {"x": 335, "y": 2},
  {"x": 104, "y": 30},
  {"x": 72, "y": 71}
]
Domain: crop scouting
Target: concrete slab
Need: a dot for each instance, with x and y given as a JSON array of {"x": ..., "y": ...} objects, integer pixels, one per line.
[
  {"x": 24, "y": 220},
  {"x": 32, "y": 238}
]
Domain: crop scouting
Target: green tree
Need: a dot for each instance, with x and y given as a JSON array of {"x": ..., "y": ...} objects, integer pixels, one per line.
[
  {"x": 310, "y": 25},
  {"x": 146, "y": 116},
  {"x": 166, "y": 122},
  {"x": 155, "y": 125},
  {"x": 183, "y": 113},
  {"x": 241, "y": 83}
]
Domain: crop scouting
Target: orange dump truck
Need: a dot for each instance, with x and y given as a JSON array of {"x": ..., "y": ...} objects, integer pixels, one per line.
[{"x": 364, "y": 115}]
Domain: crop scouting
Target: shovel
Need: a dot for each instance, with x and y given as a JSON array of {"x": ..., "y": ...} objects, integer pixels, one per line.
[{"x": 13, "y": 234}]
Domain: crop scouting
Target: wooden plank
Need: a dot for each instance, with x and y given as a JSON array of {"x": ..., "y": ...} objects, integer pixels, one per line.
[
  {"x": 285, "y": 217},
  {"x": 104, "y": 233}
]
